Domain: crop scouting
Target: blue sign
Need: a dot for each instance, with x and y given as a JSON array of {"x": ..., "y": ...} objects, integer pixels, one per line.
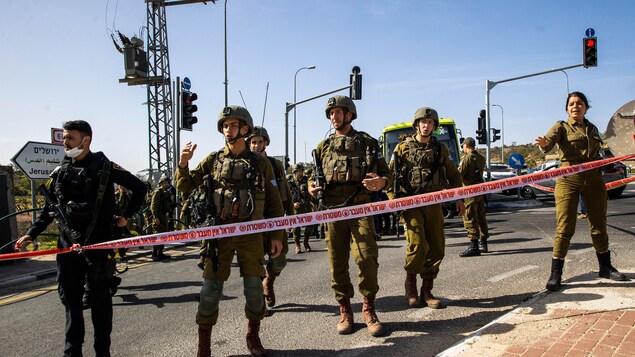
[
  {"x": 187, "y": 84},
  {"x": 590, "y": 32},
  {"x": 516, "y": 161}
]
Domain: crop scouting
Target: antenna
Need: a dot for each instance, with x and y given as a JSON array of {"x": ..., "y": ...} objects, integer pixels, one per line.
[
  {"x": 241, "y": 97},
  {"x": 264, "y": 110}
]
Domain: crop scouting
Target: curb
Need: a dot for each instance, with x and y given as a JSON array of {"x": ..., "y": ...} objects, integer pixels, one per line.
[{"x": 38, "y": 275}]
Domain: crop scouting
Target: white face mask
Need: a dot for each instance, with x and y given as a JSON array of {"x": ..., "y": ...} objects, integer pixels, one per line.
[{"x": 74, "y": 152}]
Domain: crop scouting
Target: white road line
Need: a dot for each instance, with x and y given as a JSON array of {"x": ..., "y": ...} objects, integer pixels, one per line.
[{"x": 500, "y": 277}]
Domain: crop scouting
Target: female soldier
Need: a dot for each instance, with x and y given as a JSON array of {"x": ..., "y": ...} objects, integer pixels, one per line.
[{"x": 578, "y": 141}]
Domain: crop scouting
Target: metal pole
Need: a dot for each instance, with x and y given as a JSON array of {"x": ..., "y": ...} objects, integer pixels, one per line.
[
  {"x": 226, "y": 82},
  {"x": 33, "y": 201},
  {"x": 565, "y": 73},
  {"x": 177, "y": 137},
  {"x": 502, "y": 132},
  {"x": 295, "y": 76},
  {"x": 488, "y": 85},
  {"x": 286, "y": 134}
]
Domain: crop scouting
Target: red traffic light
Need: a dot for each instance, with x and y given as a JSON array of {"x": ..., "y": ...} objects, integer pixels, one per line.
[{"x": 590, "y": 42}]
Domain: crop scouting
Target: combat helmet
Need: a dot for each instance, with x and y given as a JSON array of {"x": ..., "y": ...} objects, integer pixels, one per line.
[
  {"x": 297, "y": 167},
  {"x": 238, "y": 112},
  {"x": 259, "y": 131},
  {"x": 164, "y": 178},
  {"x": 341, "y": 101},
  {"x": 469, "y": 141},
  {"x": 425, "y": 112}
]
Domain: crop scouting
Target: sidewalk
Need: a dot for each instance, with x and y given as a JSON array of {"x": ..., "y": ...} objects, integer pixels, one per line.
[{"x": 589, "y": 316}]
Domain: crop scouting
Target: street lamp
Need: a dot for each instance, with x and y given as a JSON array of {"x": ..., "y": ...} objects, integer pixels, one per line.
[
  {"x": 294, "y": 100},
  {"x": 502, "y": 132},
  {"x": 566, "y": 75}
]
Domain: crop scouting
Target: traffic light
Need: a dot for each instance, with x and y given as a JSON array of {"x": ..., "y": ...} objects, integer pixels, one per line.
[
  {"x": 187, "y": 110},
  {"x": 481, "y": 133},
  {"x": 355, "y": 91},
  {"x": 495, "y": 134},
  {"x": 590, "y": 52}
]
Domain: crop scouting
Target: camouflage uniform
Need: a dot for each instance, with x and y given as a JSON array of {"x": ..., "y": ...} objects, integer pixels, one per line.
[{"x": 160, "y": 205}]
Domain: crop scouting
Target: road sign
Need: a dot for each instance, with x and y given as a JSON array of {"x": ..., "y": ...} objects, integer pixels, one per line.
[
  {"x": 187, "y": 84},
  {"x": 57, "y": 136},
  {"x": 37, "y": 160},
  {"x": 590, "y": 32},
  {"x": 516, "y": 161}
]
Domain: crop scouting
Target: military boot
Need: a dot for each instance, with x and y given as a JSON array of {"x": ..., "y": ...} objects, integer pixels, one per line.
[
  {"x": 307, "y": 247},
  {"x": 267, "y": 286},
  {"x": 426, "y": 295},
  {"x": 471, "y": 251},
  {"x": 345, "y": 325},
  {"x": 253, "y": 339},
  {"x": 606, "y": 269},
  {"x": 553, "y": 284},
  {"x": 298, "y": 249},
  {"x": 411, "y": 289},
  {"x": 204, "y": 341},
  {"x": 370, "y": 317},
  {"x": 482, "y": 246}
]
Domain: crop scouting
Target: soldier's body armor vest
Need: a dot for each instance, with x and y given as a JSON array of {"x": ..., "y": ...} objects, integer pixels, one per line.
[
  {"x": 76, "y": 189},
  {"x": 423, "y": 170},
  {"x": 348, "y": 160},
  {"x": 239, "y": 192}
]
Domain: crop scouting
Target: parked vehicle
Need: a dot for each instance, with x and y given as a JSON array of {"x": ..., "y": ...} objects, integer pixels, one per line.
[{"x": 610, "y": 173}]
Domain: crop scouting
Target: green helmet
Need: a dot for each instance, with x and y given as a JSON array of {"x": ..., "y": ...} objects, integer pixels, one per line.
[
  {"x": 425, "y": 112},
  {"x": 297, "y": 167},
  {"x": 164, "y": 178},
  {"x": 238, "y": 112},
  {"x": 259, "y": 131},
  {"x": 340, "y": 101},
  {"x": 469, "y": 141}
]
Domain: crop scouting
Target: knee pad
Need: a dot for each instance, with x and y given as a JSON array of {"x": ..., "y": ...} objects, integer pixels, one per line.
[
  {"x": 254, "y": 293},
  {"x": 210, "y": 297},
  {"x": 275, "y": 266}
]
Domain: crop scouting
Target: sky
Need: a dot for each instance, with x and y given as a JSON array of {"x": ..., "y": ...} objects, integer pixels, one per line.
[{"x": 58, "y": 63}]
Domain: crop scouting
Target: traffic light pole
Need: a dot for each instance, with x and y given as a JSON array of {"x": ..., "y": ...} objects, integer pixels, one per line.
[{"x": 489, "y": 85}]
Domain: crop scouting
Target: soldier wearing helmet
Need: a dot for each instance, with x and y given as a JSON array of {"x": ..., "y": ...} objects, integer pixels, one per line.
[
  {"x": 424, "y": 165},
  {"x": 471, "y": 168},
  {"x": 353, "y": 167},
  {"x": 301, "y": 204},
  {"x": 244, "y": 188},
  {"x": 258, "y": 142}
]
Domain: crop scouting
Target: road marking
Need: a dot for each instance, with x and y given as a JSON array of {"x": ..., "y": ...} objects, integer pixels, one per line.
[
  {"x": 500, "y": 277},
  {"x": 362, "y": 348},
  {"x": 23, "y": 296}
]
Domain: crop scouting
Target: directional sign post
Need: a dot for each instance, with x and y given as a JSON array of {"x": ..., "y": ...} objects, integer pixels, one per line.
[
  {"x": 516, "y": 161},
  {"x": 37, "y": 161}
]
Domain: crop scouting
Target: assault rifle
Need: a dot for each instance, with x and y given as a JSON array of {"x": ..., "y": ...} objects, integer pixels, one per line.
[
  {"x": 210, "y": 220},
  {"x": 62, "y": 219},
  {"x": 319, "y": 179}
]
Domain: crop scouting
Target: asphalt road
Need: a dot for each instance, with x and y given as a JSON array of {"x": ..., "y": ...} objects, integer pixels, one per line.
[{"x": 156, "y": 304}]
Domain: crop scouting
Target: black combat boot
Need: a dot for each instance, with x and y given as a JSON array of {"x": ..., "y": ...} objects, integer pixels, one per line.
[
  {"x": 553, "y": 284},
  {"x": 204, "y": 341},
  {"x": 482, "y": 246},
  {"x": 606, "y": 269},
  {"x": 472, "y": 250}
]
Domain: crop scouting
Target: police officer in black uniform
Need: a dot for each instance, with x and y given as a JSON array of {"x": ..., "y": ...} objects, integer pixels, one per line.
[{"x": 84, "y": 188}]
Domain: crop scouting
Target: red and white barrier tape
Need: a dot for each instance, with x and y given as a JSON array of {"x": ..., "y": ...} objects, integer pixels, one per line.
[
  {"x": 609, "y": 186},
  {"x": 338, "y": 214}
]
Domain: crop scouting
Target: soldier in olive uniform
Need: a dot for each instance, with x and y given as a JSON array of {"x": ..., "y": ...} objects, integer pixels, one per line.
[
  {"x": 578, "y": 141},
  {"x": 471, "y": 169},
  {"x": 258, "y": 142},
  {"x": 424, "y": 165},
  {"x": 160, "y": 205},
  {"x": 301, "y": 204},
  {"x": 353, "y": 167},
  {"x": 244, "y": 189}
]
